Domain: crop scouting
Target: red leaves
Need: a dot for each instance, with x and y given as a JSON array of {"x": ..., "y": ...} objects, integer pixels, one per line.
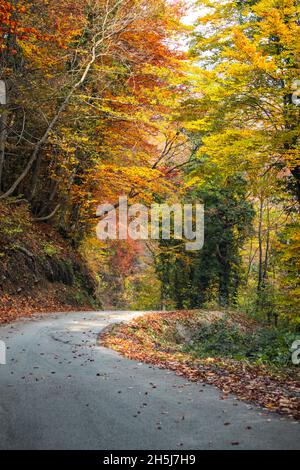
[
  {"x": 11, "y": 21},
  {"x": 124, "y": 256},
  {"x": 46, "y": 300}
]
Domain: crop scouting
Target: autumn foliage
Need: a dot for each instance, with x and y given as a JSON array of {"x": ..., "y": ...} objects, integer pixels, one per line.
[
  {"x": 157, "y": 339},
  {"x": 121, "y": 97}
]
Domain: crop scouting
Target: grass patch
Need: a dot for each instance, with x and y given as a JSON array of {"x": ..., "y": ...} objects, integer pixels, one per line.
[
  {"x": 230, "y": 351},
  {"x": 264, "y": 345}
]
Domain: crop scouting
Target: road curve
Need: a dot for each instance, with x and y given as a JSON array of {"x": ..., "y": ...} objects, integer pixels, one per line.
[{"x": 60, "y": 390}]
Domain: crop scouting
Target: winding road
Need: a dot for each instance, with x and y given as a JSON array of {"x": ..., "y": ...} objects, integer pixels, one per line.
[{"x": 61, "y": 390}]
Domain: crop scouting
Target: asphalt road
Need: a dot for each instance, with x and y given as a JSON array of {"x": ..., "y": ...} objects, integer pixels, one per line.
[{"x": 60, "y": 390}]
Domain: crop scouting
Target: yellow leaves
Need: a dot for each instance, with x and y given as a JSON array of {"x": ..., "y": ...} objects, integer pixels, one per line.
[
  {"x": 292, "y": 158},
  {"x": 210, "y": 360},
  {"x": 243, "y": 44},
  {"x": 283, "y": 9},
  {"x": 292, "y": 254},
  {"x": 275, "y": 24},
  {"x": 245, "y": 148},
  {"x": 169, "y": 74},
  {"x": 199, "y": 125},
  {"x": 252, "y": 54},
  {"x": 288, "y": 253},
  {"x": 113, "y": 180},
  {"x": 128, "y": 99},
  {"x": 249, "y": 52},
  {"x": 39, "y": 56}
]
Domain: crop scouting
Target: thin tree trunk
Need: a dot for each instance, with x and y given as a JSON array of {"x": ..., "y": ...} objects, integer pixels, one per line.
[
  {"x": 3, "y": 123},
  {"x": 51, "y": 126},
  {"x": 97, "y": 40},
  {"x": 3, "y": 133},
  {"x": 260, "y": 246},
  {"x": 50, "y": 200},
  {"x": 266, "y": 263},
  {"x": 50, "y": 216}
]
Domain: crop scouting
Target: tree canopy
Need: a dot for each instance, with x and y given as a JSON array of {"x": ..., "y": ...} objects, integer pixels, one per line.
[{"x": 120, "y": 97}]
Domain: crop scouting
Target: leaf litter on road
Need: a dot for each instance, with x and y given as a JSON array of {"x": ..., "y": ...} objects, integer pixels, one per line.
[{"x": 254, "y": 383}]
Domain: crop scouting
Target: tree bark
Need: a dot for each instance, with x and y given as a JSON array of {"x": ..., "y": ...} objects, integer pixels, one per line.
[
  {"x": 260, "y": 246},
  {"x": 2, "y": 144},
  {"x": 35, "y": 155}
]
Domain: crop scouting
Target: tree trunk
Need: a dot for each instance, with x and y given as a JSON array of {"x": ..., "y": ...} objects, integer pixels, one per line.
[
  {"x": 3, "y": 133},
  {"x": 35, "y": 155},
  {"x": 260, "y": 246}
]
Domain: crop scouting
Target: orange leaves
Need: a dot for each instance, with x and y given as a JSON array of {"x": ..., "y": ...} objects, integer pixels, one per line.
[
  {"x": 21, "y": 306},
  {"x": 247, "y": 54},
  {"x": 11, "y": 22},
  {"x": 152, "y": 339},
  {"x": 108, "y": 135},
  {"x": 39, "y": 27},
  {"x": 127, "y": 105},
  {"x": 123, "y": 256},
  {"x": 111, "y": 181}
]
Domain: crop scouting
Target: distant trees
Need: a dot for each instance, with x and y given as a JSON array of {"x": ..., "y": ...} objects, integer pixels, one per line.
[
  {"x": 248, "y": 76},
  {"x": 245, "y": 116},
  {"x": 104, "y": 102},
  {"x": 242, "y": 118},
  {"x": 192, "y": 279}
]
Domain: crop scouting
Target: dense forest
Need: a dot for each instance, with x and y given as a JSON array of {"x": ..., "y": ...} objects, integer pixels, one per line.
[{"x": 106, "y": 98}]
